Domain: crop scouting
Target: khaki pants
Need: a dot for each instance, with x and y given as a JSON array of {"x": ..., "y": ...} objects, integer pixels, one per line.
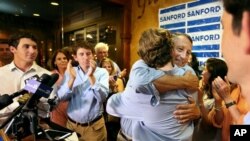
[
  {"x": 95, "y": 132},
  {"x": 123, "y": 137}
]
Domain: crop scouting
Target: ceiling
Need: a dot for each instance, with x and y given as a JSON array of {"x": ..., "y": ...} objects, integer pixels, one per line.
[{"x": 44, "y": 8}]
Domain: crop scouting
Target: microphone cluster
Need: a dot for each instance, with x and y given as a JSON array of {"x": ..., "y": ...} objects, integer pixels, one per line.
[{"x": 38, "y": 88}]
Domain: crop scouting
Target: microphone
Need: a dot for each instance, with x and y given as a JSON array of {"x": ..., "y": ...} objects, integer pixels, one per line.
[
  {"x": 53, "y": 78},
  {"x": 6, "y": 99},
  {"x": 41, "y": 89},
  {"x": 24, "y": 98}
]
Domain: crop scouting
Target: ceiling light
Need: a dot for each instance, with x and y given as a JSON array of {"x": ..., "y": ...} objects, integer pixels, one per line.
[
  {"x": 36, "y": 14},
  {"x": 54, "y": 3}
]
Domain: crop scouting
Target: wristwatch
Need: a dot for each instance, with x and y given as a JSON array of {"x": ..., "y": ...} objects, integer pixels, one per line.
[{"x": 229, "y": 104}]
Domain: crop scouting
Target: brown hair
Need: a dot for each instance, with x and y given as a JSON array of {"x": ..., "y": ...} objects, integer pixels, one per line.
[
  {"x": 236, "y": 9},
  {"x": 15, "y": 38},
  {"x": 216, "y": 67},
  {"x": 63, "y": 51},
  {"x": 82, "y": 44},
  {"x": 155, "y": 47}
]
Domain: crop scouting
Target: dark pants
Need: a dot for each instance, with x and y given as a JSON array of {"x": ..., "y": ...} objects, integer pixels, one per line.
[{"x": 112, "y": 130}]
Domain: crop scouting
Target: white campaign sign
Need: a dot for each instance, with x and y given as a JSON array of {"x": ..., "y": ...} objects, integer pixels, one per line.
[{"x": 201, "y": 20}]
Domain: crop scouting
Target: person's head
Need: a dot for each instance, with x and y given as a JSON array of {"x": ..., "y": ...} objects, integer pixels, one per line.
[
  {"x": 59, "y": 59},
  {"x": 194, "y": 63},
  {"x": 5, "y": 55},
  {"x": 24, "y": 47},
  {"x": 155, "y": 47},
  {"x": 83, "y": 53},
  {"x": 101, "y": 50},
  {"x": 236, "y": 39},
  {"x": 213, "y": 68},
  {"x": 182, "y": 48},
  {"x": 108, "y": 65}
]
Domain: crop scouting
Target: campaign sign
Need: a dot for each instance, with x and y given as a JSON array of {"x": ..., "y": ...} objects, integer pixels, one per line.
[{"x": 201, "y": 20}]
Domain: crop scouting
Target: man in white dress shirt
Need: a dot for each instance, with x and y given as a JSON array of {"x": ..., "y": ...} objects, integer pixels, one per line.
[{"x": 13, "y": 76}]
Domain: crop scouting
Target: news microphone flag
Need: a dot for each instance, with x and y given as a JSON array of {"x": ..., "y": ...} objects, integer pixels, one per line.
[{"x": 38, "y": 88}]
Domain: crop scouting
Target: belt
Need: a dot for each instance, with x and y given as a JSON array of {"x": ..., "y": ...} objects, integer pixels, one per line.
[{"x": 86, "y": 124}]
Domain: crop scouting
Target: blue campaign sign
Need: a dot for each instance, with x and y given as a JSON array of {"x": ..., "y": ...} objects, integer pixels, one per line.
[{"x": 201, "y": 20}]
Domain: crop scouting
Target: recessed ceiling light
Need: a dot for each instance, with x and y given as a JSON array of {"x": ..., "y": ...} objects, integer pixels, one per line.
[
  {"x": 36, "y": 14},
  {"x": 54, "y": 3}
]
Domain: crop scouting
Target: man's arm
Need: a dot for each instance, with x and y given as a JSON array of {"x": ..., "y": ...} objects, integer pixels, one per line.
[
  {"x": 187, "y": 112},
  {"x": 170, "y": 82},
  {"x": 162, "y": 82}
]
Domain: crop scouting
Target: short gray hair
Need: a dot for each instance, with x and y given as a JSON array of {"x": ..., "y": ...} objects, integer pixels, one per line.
[{"x": 101, "y": 45}]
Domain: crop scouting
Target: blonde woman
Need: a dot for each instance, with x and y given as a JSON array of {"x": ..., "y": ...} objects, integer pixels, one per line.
[
  {"x": 112, "y": 123},
  {"x": 114, "y": 86}
]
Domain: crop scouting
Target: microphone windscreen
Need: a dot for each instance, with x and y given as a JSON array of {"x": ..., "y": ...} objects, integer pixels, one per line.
[
  {"x": 45, "y": 78},
  {"x": 53, "y": 78},
  {"x": 5, "y": 100}
]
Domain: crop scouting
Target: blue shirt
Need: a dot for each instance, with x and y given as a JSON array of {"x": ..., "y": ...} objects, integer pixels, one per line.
[
  {"x": 141, "y": 72},
  {"x": 85, "y": 101},
  {"x": 141, "y": 101}
]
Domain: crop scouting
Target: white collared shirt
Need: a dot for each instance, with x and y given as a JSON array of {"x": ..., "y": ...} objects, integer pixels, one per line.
[{"x": 13, "y": 79}]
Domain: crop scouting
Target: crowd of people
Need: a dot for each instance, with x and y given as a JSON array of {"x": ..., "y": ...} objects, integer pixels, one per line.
[{"x": 166, "y": 96}]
